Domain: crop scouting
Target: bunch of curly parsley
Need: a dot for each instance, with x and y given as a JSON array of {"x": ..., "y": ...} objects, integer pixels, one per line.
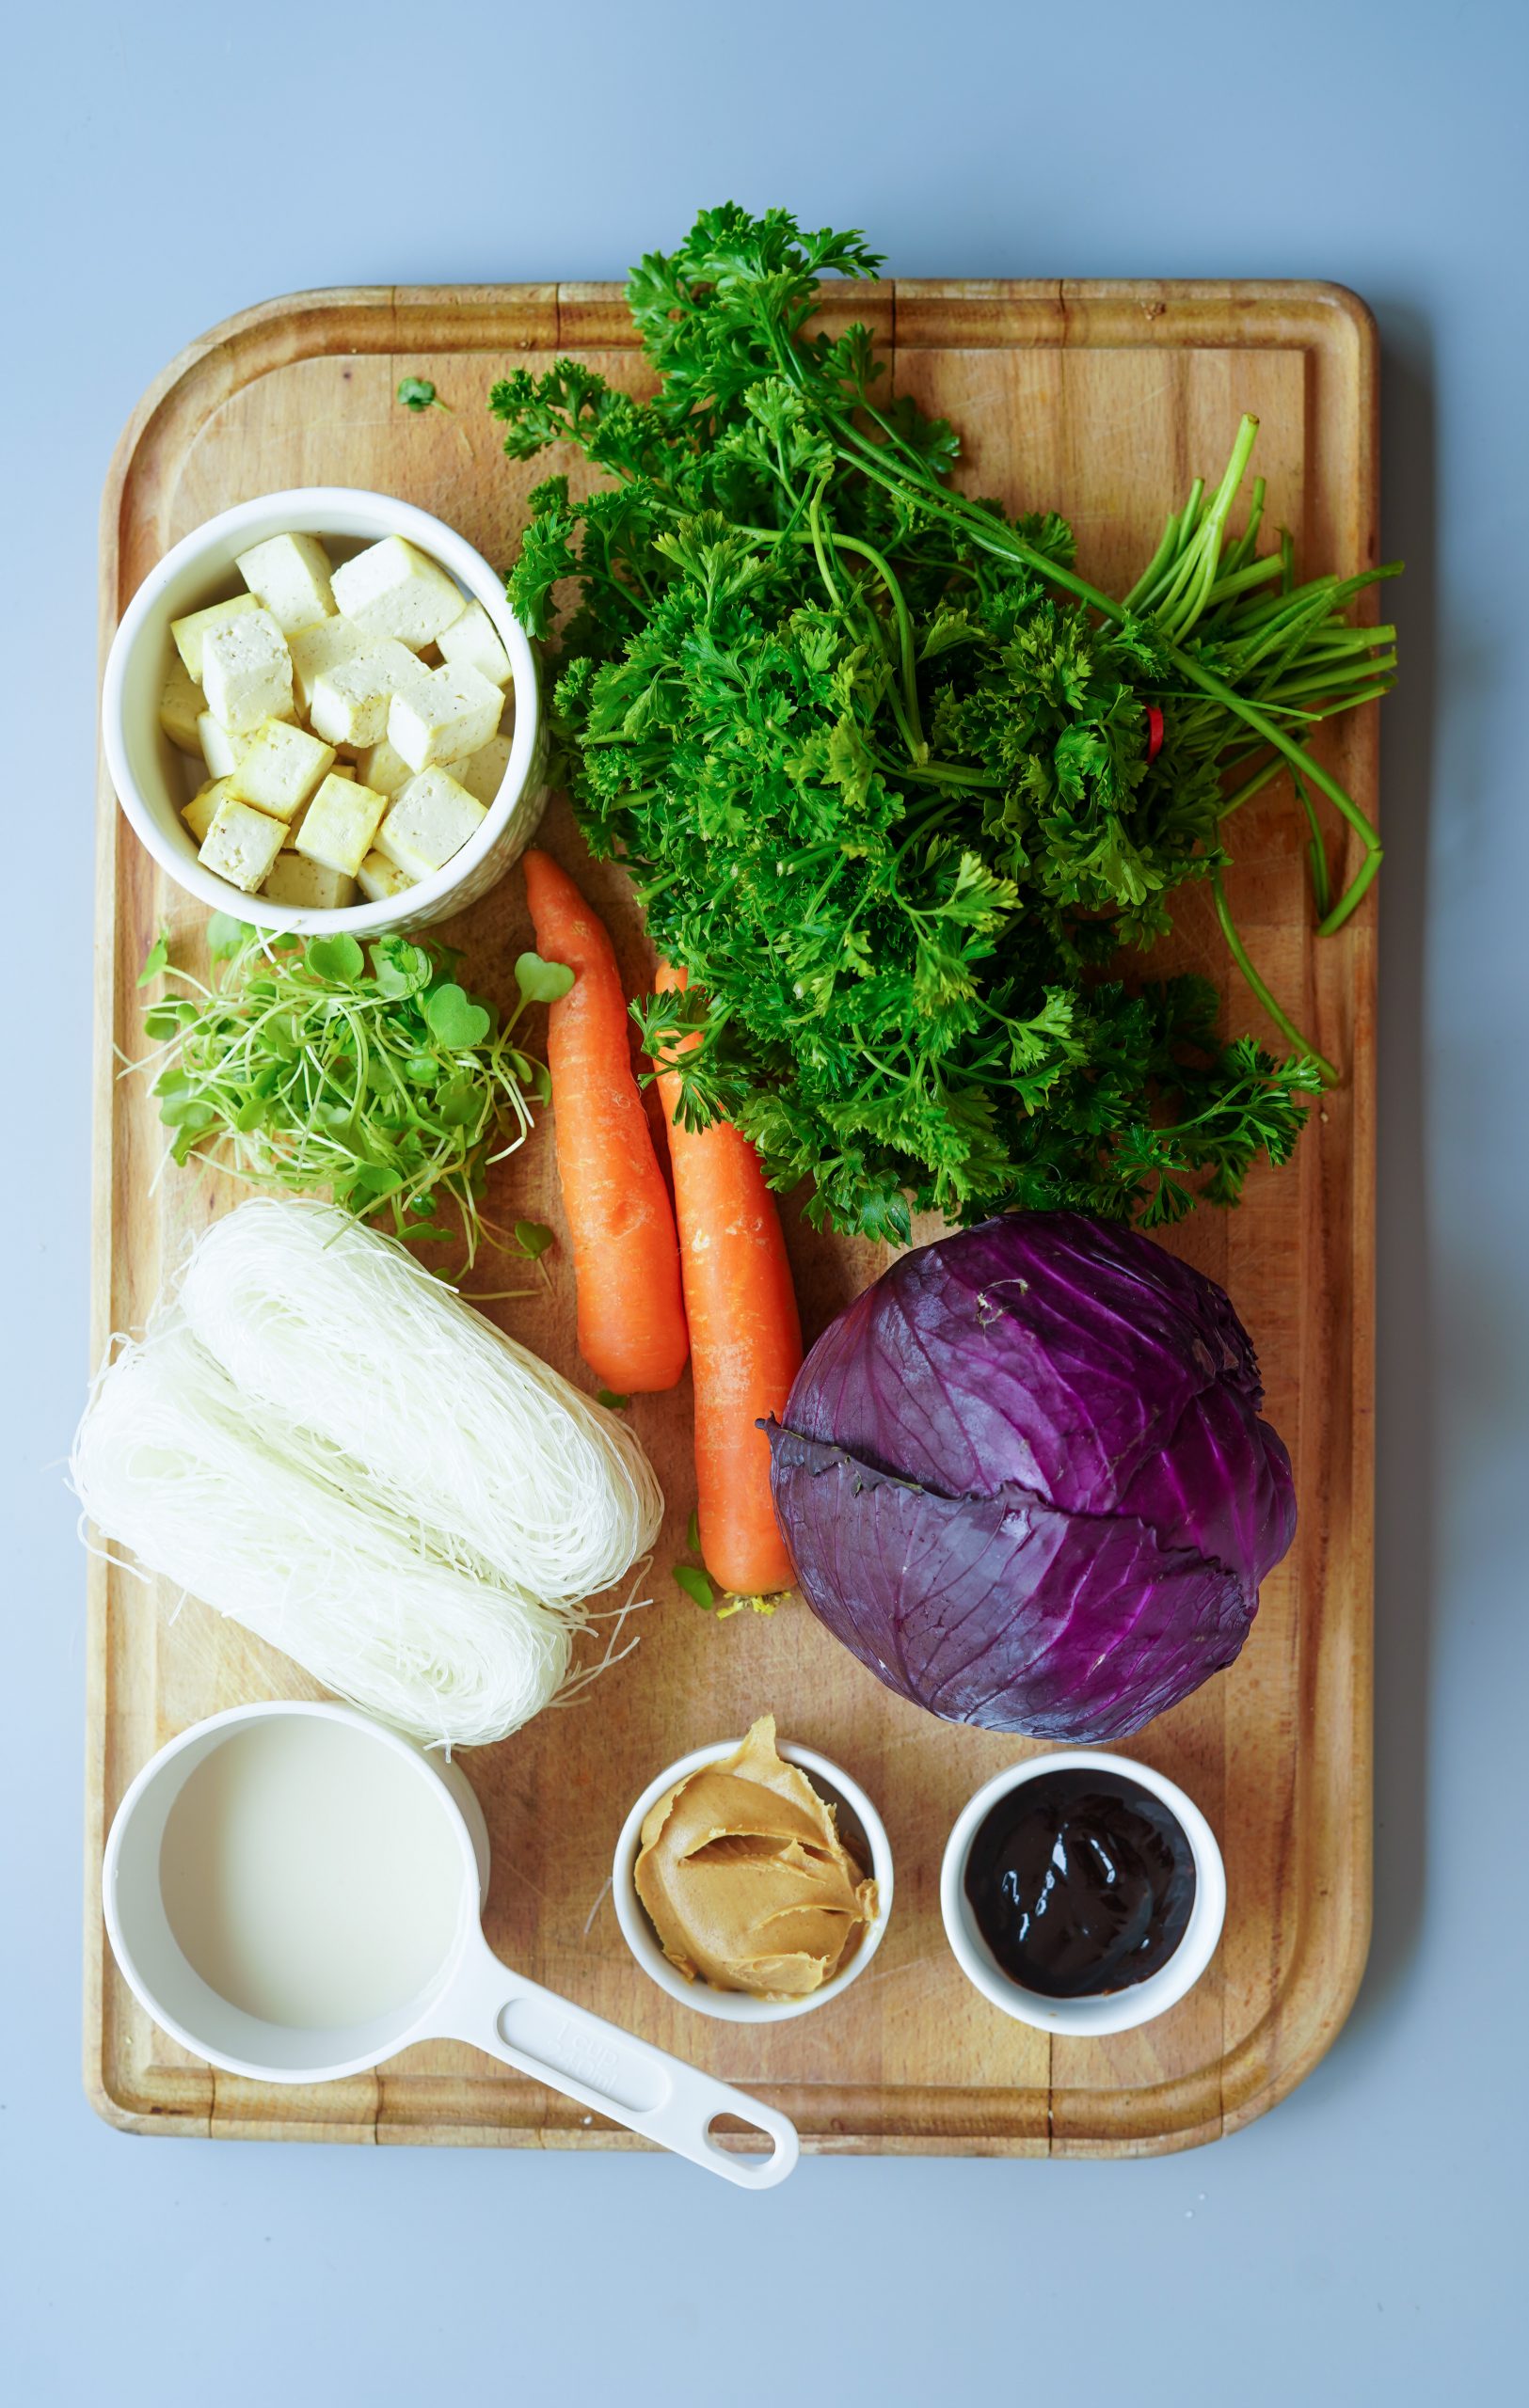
[{"x": 896, "y": 785}]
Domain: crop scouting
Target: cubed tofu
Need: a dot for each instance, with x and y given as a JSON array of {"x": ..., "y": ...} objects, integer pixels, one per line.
[
  {"x": 241, "y": 844},
  {"x": 351, "y": 701},
  {"x": 181, "y": 705},
  {"x": 394, "y": 589},
  {"x": 319, "y": 648},
  {"x": 289, "y": 575},
  {"x": 379, "y": 879},
  {"x": 443, "y": 715},
  {"x": 313, "y": 886},
  {"x": 340, "y": 823},
  {"x": 347, "y": 770},
  {"x": 472, "y": 641},
  {"x": 483, "y": 773},
  {"x": 190, "y": 631},
  {"x": 384, "y": 770},
  {"x": 200, "y": 812},
  {"x": 247, "y": 671},
  {"x": 280, "y": 768},
  {"x": 288, "y": 842},
  {"x": 431, "y": 820},
  {"x": 221, "y": 750}
]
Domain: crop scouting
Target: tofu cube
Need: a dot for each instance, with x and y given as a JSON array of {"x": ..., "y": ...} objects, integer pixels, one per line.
[
  {"x": 472, "y": 641},
  {"x": 247, "y": 671},
  {"x": 384, "y": 771},
  {"x": 340, "y": 823},
  {"x": 379, "y": 879},
  {"x": 393, "y": 589},
  {"x": 431, "y": 820},
  {"x": 350, "y": 701},
  {"x": 241, "y": 844},
  {"x": 221, "y": 751},
  {"x": 280, "y": 768},
  {"x": 289, "y": 575},
  {"x": 317, "y": 649},
  {"x": 483, "y": 773},
  {"x": 443, "y": 715},
  {"x": 190, "y": 631},
  {"x": 179, "y": 706},
  {"x": 313, "y": 886},
  {"x": 200, "y": 812}
]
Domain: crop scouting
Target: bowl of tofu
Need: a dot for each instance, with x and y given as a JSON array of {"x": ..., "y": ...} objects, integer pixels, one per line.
[{"x": 320, "y": 711}]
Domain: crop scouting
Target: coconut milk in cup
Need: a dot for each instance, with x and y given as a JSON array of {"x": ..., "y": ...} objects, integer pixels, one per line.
[{"x": 293, "y": 1894}]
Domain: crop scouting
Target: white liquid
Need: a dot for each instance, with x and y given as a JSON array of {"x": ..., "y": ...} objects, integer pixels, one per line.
[{"x": 310, "y": 1875}]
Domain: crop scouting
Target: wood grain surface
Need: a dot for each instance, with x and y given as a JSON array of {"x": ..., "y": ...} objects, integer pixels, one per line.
[{"x": 1102, "y": 401}]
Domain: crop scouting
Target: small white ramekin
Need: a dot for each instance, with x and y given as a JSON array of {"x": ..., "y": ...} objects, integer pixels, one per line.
[
  {"x": 738, "y": 2006},
  {"x": 147, "y": 770},
  {"x": 1087, "y": 2019}
]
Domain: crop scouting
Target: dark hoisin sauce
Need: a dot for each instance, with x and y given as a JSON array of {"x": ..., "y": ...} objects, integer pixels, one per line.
[{"x": 1081, "y": 1882}]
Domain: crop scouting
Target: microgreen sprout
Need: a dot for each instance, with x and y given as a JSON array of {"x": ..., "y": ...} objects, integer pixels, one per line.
[
  {"x": 418, "y": 393},
  {"x": 371, "y": 1075}
]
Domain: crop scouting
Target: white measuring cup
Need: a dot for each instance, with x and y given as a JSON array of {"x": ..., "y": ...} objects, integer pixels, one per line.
[{"x": 472, "y": 1995}]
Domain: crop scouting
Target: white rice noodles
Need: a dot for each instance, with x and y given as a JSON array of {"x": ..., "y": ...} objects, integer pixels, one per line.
[
  {"x": 338, "y": 1331},
  {"x": 320, "y": 1441}
]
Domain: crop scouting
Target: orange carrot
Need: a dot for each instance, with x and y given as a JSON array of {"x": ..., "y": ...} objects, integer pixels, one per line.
[
  {"x": 745, "y": 1335},
  {"x": 626, "y": 1257}
]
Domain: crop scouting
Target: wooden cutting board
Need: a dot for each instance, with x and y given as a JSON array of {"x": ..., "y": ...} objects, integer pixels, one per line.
[{"x": 1102, "y": 401}]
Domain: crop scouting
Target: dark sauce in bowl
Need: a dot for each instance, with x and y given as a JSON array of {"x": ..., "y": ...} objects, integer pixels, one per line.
[{"x": 1082, "y": 1883}]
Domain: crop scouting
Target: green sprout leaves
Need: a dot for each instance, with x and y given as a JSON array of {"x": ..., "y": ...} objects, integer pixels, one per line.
[
  {"x": 366, "y": 1073},
  {"x": 418, "y": 393},
  {"x": 539, "y": 981}
]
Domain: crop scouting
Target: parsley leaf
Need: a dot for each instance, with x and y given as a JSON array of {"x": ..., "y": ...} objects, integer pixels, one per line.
[{"x": 901, "y": 790}]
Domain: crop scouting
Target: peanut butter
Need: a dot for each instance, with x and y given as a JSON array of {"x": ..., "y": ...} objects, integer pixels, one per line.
[{"x": 746, "y": 1879}]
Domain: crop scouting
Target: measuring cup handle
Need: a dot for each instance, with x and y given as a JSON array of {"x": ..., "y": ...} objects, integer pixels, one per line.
[{"x": 609, "y": 2071}]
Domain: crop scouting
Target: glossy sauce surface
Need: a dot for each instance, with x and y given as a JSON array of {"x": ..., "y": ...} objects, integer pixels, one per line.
[{"x": 1082, "y": 1883}]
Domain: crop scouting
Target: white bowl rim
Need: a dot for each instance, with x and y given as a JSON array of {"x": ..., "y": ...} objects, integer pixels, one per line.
[
  {"x": 740, "y": 2006},
  {"x": 304, "y": 508},
  {"x": 1120, "y": 2010}
]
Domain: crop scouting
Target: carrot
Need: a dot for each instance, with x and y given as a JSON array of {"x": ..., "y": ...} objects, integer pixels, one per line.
[
  {"x": 745, "y": 1335},
  {"x": 626, "y": 1257}
]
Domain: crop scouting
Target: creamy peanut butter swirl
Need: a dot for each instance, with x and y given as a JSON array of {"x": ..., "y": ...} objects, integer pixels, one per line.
[{"x": 746, "y": 1879}]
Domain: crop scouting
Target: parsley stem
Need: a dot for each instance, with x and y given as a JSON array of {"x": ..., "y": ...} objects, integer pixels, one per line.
[
  {"x": 1315, "y": 849},
  {"x": 944, "y": 773},
  {"x": 1277, "y": 1013},
  {"x": 1350, "y": 902},
  {"x": 815, "y": 522},
  {"x": 1191, "y": 586},
  {"x": 905, "y": 642},
  {"x": 994, "y": 535}
]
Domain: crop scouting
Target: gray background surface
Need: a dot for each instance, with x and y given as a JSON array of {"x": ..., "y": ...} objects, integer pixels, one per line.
[{"x": 170, "y": 164}]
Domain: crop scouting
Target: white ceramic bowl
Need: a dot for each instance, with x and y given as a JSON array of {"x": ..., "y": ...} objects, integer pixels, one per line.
[
  {"x": 1086, "y": 2019},
  {"x": 149, "y": 774},
  {"x": 738, "y": 2006}
]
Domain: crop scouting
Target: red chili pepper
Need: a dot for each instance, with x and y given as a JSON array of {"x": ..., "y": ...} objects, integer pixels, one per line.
[{"x": 1155, "y": 733}]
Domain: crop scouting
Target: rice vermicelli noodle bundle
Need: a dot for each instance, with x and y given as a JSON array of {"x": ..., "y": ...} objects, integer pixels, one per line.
[
  {"x": 324, "y": 1444},
  {"x": 342, "y": 1332}
]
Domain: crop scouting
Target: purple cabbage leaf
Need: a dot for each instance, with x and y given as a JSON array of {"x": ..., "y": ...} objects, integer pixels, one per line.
[{"x": 1025, "y": 1480}]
